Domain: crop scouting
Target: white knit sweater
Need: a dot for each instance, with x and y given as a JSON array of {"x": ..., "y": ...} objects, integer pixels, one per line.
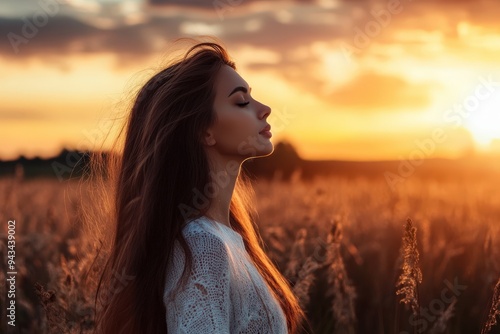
[{"x": 225, "y": 293}]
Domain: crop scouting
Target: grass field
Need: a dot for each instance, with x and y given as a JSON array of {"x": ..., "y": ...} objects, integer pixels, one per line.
[{"x": 338, "y": 241}]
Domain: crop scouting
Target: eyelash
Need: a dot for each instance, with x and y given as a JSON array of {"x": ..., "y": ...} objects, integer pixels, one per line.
[{"x": 242, "y": 104}]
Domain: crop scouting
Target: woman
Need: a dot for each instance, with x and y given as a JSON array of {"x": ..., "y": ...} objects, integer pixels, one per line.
[{"x": 181, "y": 199}]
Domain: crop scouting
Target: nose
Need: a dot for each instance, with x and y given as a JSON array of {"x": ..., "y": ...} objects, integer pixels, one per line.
[{"x": 264, "y": 111}]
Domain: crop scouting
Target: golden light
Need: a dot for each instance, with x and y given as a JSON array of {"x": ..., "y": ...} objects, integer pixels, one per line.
[{"x": 484, "y": 122}]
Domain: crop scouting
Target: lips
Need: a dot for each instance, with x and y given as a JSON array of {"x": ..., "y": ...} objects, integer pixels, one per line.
[
  {"x": 266, "y": 132},
  {"x": 266, "y": 129}
]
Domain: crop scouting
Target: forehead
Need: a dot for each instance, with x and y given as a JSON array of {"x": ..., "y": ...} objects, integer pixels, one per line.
[{"x": 227, "y": 79}]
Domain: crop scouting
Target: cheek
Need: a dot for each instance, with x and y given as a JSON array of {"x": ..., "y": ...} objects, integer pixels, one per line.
[{"x": 235, "y": 127}]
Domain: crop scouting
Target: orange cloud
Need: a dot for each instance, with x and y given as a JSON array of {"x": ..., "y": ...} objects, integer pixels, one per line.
[{"x": 370, "y": 91}]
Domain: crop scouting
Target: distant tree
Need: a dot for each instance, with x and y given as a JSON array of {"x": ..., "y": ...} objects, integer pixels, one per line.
[{"x": 284, "y": 160}]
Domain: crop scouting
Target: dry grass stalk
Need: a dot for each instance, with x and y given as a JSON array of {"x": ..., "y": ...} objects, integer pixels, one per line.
[
  {"x": 492, "y": 254},
  {"x": 56, "y": 317},
  {"x": 494, "y": 310},
  {"x": 73, "y": 309},
  {"x": 411, "y": 275},
  {"x": 306, "y": 278},
  {"x": 297, "y": 254},
  {"x": 274, "y": 236},
  {"x": 341, "y": 288}
]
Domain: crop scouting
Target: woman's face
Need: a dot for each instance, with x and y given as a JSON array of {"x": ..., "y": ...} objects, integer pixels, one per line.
[{"x": 241, "y": 130}]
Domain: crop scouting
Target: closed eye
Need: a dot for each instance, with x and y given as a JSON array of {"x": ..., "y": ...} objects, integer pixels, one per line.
[{"x": 242, "y": 104}]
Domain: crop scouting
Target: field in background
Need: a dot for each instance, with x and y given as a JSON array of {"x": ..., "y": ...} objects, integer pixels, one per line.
[{"x": 349, "y": 229}]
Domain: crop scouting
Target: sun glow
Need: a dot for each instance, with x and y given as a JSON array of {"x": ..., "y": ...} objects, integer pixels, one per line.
[{"x": 484, "y": 123}]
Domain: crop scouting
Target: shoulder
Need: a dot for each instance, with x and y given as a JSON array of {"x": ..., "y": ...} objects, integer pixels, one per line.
[
  {"x": 203, "y": 237},
  {"x": 210, "y": 253}
]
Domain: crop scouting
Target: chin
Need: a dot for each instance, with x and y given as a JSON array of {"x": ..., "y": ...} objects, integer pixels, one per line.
[{"x": 267, "y": 150}]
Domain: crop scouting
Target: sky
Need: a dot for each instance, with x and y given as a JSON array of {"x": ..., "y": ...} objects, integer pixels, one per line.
[{"x": 346, "y": 80}]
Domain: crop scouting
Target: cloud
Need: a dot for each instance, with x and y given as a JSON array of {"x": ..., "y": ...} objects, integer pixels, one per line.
[
  {"x": 76, "y": 34},
  {"x": 282, "y": 28},
  {"x": 213, "y": 3},
  {"x": 21, "y": 115},
  {"x": 134, "y": 31},
  {"x": 278, "y": 36},
  {"x": 372, "y": 91},
  {"x": 67, "y": 35}
]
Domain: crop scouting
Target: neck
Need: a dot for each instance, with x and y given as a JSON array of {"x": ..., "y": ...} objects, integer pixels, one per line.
[{"x": 223, "y": 173}]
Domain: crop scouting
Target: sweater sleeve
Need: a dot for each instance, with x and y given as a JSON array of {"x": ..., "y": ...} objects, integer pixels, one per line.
[{"x": 204, "y": 305}]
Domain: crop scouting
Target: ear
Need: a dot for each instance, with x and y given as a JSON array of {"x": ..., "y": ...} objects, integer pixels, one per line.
[{"x": 209, "y": 138}]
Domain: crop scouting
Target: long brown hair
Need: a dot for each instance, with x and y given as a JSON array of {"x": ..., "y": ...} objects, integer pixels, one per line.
[{"x": 160, "y": 162}]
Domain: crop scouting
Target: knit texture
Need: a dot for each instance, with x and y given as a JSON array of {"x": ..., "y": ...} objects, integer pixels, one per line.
[{"x": 225, "y": 293}]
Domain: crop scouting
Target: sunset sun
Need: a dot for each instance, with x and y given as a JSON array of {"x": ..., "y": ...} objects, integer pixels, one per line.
[{"x": 484, "y": 123}]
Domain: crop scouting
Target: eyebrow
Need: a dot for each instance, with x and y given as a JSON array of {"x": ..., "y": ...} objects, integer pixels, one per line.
[{"x": 239, "y": 89}]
